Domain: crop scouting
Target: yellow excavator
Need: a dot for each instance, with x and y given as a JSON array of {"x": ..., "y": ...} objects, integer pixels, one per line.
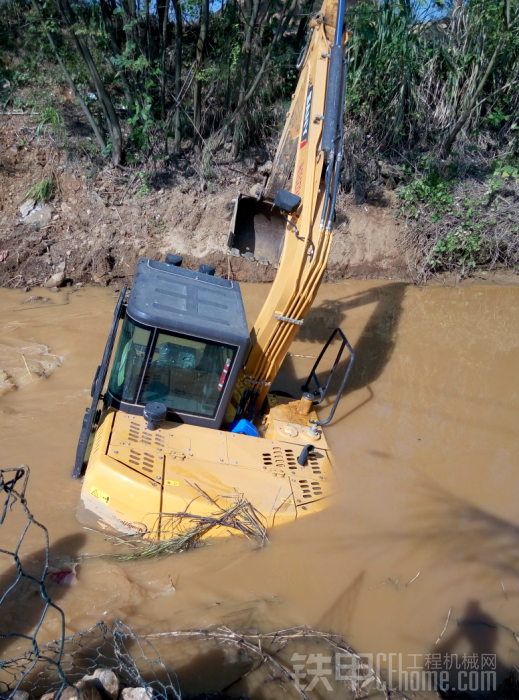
[{"x": 189, "y": 399}]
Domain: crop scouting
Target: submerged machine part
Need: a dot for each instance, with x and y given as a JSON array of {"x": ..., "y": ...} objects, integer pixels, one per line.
[
  {"x": 135, "y": 475},
  {"x": 187, "y": 408}
]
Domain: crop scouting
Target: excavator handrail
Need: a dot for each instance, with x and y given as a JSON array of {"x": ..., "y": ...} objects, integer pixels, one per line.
[{"x": 322, "y": 392}]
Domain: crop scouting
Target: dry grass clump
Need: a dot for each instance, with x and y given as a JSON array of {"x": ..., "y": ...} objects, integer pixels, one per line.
[{"x": 186, "y": 530}]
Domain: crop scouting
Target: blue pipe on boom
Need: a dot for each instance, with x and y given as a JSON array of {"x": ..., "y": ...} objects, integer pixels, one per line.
[{"x": 340, "y": 22}]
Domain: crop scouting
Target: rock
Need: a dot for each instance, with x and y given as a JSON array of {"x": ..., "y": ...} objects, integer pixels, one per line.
[
  {"x": 235, "y": 252},
  {"x": 65, "y": 207},
  {"x": 54, "y": 289},
  {"x": 55, "y": 217},
  {"x": 56, "y": 280},
  {"x": 255, "y": 190},
  {"x": 106, "y": 682},
  {"x": 97, "y": 200},
  {"x": 27, "y": 207},
  {"x": 136, "y": 694},
  {"x": 81, "y": 691},
  {"x": 266, "y": 168},
  {"x": 6, "y": 383},
  {"x": 251, "y": 165},
  {"x": 20, "y": 695},
  {"x": 228, "y": 146},
  {"x": 49, "y": 696},
  {"x": 24, "y": 290},
  {"x": 249, "y": 256},
  {"x": 389, "y": 170},
  {"x": 39, "y": 217},
  {"x": 62, "y": 265},
  {"x": 4, "y": 221},
  {"x": 36, "y": 298},
  {"x": 263, "y": 260}
]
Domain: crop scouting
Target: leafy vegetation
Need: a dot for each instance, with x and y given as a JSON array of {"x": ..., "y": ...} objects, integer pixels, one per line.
[
  {"x": 459, "y": 223},
  {"x": 432, "y": 99}
]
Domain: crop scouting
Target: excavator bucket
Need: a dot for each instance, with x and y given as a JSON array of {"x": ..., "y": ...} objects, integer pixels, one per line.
[{"x": 257, "y": 230}]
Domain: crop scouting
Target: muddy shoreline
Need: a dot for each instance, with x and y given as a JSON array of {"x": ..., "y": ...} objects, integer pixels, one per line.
[{"x": 99, "y": 222}]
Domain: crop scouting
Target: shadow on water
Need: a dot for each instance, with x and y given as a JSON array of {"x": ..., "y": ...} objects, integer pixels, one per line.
[
  {"x": 339, "y": 615},
  {"x": 460, "y": 531},
  {"x": 450, "y": 529},
  {"x": 22, "y": 605},
  {"x": 467, "y": 657},
  {"x": 373, "y": 349}
]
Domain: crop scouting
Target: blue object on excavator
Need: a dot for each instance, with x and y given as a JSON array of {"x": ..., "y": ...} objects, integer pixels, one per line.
[{"x": 245, "y": 427}]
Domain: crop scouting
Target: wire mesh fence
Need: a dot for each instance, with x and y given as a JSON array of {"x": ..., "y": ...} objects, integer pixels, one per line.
[
  {"x": 138, "y": 661},
  {"x": 13, "y": 485},
  {"x": 64, "y": 662},
  {"x": 43, "y": 668}
]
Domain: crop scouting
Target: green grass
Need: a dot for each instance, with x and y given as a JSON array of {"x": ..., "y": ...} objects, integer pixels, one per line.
[
  {"x": 41, "y": 192},
  {"x": 51, "y": 120}
]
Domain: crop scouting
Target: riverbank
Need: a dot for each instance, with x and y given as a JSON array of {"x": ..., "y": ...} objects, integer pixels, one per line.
[{"x": 98, "y": 221}]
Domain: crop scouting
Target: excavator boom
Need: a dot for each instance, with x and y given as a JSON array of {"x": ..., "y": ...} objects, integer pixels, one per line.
[{"x": 317, "y": 106}]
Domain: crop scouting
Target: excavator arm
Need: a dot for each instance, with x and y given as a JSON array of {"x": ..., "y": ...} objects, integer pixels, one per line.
[{"x": 310, "y": 152}]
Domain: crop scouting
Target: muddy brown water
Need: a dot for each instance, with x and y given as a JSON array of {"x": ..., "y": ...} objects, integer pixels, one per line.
[{"x": 426, "y": 445}]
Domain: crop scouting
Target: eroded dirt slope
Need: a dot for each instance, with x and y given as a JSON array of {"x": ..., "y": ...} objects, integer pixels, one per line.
[{"x": 95, "y": 227}]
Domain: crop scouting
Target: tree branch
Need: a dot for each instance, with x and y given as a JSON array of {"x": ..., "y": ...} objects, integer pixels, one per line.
[{"x": 449, "y": 141}]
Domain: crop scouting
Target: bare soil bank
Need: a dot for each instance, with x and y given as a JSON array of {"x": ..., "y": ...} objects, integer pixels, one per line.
[
  {"x": 96, "y": 226},
  {"x": 99, "y": 239}
]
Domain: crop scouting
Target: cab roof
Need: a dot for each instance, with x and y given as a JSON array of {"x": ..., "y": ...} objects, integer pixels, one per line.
[{"x": 192, "y": 303}]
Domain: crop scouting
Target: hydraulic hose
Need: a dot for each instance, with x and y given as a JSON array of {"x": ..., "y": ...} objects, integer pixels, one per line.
[{"x": 334, "y": 95}]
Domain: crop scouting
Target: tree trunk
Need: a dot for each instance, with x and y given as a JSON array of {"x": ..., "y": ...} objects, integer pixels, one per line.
[
  {"x": 147, "y": 32},
  {"x": 114, "y": 128},
  {"x": 99, "y": 137},
  {"x": 219, "y": 137},
  {"x": 280, "y": 31},
  {"x": 178, "y": 72},
  {"x": 200, "y": 46},
  {"x": 251, "y": 15},
  {"x": 163, "y": 45},
  {"x": 306, "y": 9},
  {"x": 107, "y": 15}
]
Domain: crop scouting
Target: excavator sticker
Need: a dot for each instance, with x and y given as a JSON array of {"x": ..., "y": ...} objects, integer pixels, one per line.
[
  {"x": 306, "y": 120},
  {"x": 101, "y": 495}
]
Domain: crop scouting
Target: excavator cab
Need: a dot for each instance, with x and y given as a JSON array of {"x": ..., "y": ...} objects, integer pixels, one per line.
[
  {"x": 181, "y": 344},
  {"x": 183, "y": 339}
]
